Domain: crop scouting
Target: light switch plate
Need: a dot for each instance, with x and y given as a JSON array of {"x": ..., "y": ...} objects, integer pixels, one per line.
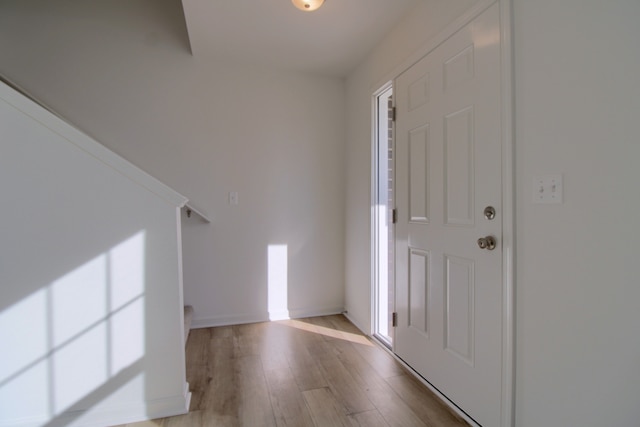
[{"x": 547, "y": 189}]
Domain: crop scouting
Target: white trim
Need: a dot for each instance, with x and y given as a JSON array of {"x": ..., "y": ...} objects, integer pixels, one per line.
[
  {"x": 239, "y": 319},
  {"x": 180, "y": 306},
  {"x": 372, "y": 209},
  {"x": 214, "y": 321},
  {"x": 314, "y": 312},
  {"x": 114, "y": 415},
  {"x": 89, "y": 145},
  {"x": 187, "y": 397},
  {"x": 507, "y": 417}
]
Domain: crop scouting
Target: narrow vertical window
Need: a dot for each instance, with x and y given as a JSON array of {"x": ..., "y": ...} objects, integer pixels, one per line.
[{"x": 383, "y": 213}]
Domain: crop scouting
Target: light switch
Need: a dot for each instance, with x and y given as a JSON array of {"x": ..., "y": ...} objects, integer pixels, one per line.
[
  {"x": 233, "y": 197},
  {"x": 547, "y": 189}
]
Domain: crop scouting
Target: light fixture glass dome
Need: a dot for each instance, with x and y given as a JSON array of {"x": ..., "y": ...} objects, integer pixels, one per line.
[{"x": 307, "y": 5}]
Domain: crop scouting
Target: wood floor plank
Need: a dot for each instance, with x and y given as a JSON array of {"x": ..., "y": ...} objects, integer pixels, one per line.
[
  {"x": 211, "y": 418},
  {"x": 303, "y": 365},
  {"x": 150, "y": 423},
  {"x": 343, "y": 324},
  {"x": 248, "y": 339},
  {"x": 341, "y": 383},
  {"x": 391, "y": 407},
  {"x": 213, "y": 380},
  {"x": 197, "y": 359},
  {"x": 307, "y": 371},
  {"x": 289, "y": 407},
  {"x": 192, "y": 419},
  {"x": 197, "y": 348},
  {"x": 186, "y": 420},
  {"x": 277, "y": 343},
  {"x": 325, "y": 409},
  {"x": 423, "y": 402},
  {"x": 333, "y": 333},
  {"x": 255, "y": 403},
  {"x": 384, "y": 363},
  {"x": 368, "y": 419},
  {"x": 319, "y": 372}
]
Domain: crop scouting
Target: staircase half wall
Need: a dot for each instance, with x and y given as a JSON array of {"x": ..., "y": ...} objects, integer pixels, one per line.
[{"x": 91, "y": 310}]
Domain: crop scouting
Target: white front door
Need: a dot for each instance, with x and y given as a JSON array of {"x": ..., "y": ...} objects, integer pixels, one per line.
[{"x": 449, "y": 170}]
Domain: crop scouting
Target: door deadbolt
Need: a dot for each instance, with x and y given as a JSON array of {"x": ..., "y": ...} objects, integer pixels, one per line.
[
  {"x": 489, "y": 212},
  {"x": 488, "y": 243}
]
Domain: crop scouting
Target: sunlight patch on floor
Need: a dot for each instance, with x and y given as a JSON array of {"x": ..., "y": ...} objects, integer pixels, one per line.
[{"x": 347, "y": 336}]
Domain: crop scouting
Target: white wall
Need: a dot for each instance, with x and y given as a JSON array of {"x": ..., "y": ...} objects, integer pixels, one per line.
[
  {"x": 90, "y": 281},
  {"x": 123, "y": 72},
  {"x": 277, "y": 139},
  {"x": 577, "y": 106},
  {"x": 577, "y": 110}
]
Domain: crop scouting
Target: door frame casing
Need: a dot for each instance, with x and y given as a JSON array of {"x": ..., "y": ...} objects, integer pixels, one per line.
[{"x": 508, "y": 187}]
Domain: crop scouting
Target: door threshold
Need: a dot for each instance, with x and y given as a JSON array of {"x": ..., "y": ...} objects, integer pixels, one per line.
[{"x": 384, "y": 342}]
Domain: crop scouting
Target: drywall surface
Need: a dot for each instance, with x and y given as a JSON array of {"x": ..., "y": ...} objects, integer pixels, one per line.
[
  {"x": 90, "y": 281},
  {"x": 122, "y": 72},
  {"x": 277, "y": 140},
  {"x": 421, "y": 25},
  {"x": 577, "y": 107}
]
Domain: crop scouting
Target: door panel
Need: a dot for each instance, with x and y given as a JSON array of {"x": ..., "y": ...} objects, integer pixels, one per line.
[
  {"x": 459, "y": 167},
  {"x": 448, "y": 170},
  {"x": 459, "y": 320},
  {"x": 419, "y": 291},
  {"x": 418, "y": 176}
]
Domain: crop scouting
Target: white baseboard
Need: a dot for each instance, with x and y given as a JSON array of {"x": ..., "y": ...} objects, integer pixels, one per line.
[
  {"x": 210, "y": 322},
  {"x": 314, "y": 312},
  {"x": 113, "y": 415},
  {"x": 238, "y": 319}
]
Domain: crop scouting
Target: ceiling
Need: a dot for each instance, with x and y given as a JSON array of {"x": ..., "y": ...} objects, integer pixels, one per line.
[{"x": 273, "y": 33}]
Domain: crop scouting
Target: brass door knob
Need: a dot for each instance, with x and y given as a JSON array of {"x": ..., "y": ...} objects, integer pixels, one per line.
[
  {"x": 489, "y": 212},
  {"x": 488, "y": 243}
]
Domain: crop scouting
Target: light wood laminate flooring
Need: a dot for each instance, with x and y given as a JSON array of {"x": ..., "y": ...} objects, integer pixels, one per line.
[{"x": 320, "y": 372}]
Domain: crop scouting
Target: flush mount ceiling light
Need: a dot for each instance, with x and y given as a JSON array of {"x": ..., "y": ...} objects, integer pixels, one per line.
[{"x": 307, "y": 5}]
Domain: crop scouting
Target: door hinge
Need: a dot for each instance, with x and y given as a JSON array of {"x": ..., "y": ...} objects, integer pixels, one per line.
[
  {"x": 394, "y": 319},
  {"x": 393, "y": 114},
  {"x": 394, "y": 216}
]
